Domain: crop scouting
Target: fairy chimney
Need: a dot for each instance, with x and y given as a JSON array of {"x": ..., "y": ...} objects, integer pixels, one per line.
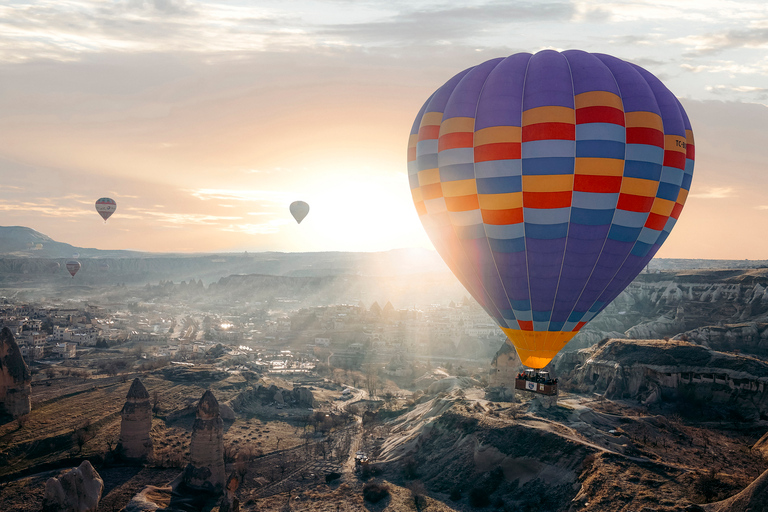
[
  {"x": 135, "y": 440},
  {"x": 77, "y": 490},
  {"x": 205, "y": 470},
  {"x": 15, "y": 379}
]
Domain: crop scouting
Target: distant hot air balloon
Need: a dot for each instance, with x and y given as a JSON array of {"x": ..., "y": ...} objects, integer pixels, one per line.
[
  {"x": 73, "y": 266},
  {"x": 106, "y": 207},
  {"x": 547, "y": 182},
  {"x": 54, "y": 266},
  {"x": 299, "y": 210},
  {"x": 103, "y": 266}
]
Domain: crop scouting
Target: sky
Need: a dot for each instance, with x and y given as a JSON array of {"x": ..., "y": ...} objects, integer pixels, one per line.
[{"x": 205, "y": 120}]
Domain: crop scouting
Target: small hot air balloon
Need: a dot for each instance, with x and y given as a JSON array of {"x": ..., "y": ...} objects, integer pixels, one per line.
[
  {"x": 547, "y": 182},
  {"x": 106, "y": 207},
  {"x": 73, "y": 266},
  {"x": 299, "y": 210},
  {"x": 54, "y": 266}
]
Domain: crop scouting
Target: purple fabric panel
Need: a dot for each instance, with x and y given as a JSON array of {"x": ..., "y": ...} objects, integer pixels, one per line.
[
  {"x": 513, "y": 270},
  {"x": 589, "y": 73},
  {"x": 586, "y": 233},
  {"x": 668, "y": 104},
  {"x": 446, "y": 243},
  {"x": 635, "y": 93},
  {"x": 417, "y": 121},
  {"x": 613, "y": 290},
  {"x": 464, "y": 99},
  {"x": 479, "y": 252},
  {"x": 611, "y": 257},
  {"x": 548, "y": 81},
  {"x": 501, "y": 101},
  {"x": 442, "y": 95},
  {"x": 545, "y": 258}
]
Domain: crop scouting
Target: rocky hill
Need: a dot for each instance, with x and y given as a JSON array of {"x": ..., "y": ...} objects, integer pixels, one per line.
[{"x": 689, "y": 378}]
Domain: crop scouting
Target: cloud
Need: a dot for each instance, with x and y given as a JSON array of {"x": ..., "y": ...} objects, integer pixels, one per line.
[
  {"x": 241, "y": 195},
  {"x": 709, "y": 44},
  {"x": 715, "y": 193},
  {"x": 45, "y": 208},
  {"x": 187, "y": 218},
  {"x": 438, "y": 26},
  {"x": 729, "y": 66},
  {"x": 265, "y": 228}
]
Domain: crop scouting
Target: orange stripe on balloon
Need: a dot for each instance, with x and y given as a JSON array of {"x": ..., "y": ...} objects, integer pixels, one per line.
[
  {"x": 461, "y": 203},
  {"x": 502, "y": 217},
  {"x": 432, "y": 191}
]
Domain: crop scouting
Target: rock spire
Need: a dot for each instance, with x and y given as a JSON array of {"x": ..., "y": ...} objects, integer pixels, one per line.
[
  {"x": 15, "y": 379},
  {"x": 135, "y": 440},
  {"x": 205, "y": 470}
]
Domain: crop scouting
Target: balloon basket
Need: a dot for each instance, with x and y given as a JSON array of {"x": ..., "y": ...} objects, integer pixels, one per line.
[{"x": 539, "y": 383}]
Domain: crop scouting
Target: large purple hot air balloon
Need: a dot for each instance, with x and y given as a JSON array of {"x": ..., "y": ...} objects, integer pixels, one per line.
[{"x": 547, "y": 182}]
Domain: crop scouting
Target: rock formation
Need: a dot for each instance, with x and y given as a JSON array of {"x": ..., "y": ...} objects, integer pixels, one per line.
[
  {"x": 653, "y": 371},
  {"x": 504, "y": 368},
  {"x": 78, "y": 490},
  {"x": 266, "y": 395},
  {"x": 229, "y": 503},
  {"x": 15, "y": 379},
  {"x": 135, "y": 440},
  {"x": 205, "y": 470}
]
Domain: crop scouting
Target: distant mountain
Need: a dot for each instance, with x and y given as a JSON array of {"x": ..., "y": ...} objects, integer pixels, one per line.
[
  {"x": 23, "y": 242},
  {"x": 28, "y": 260}
]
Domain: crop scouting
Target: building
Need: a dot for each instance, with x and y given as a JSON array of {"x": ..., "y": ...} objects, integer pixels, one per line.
[{"x": 65, "y": 350}]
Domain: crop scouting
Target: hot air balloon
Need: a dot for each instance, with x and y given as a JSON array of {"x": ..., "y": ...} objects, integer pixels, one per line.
[
  {"x": 73, "y": 266},
  {"x": 106, "y": 207},
  {"x": 299, "y": 210},
  {"x": 547, "y": 182},
  {"x": 54, "y": 266}
]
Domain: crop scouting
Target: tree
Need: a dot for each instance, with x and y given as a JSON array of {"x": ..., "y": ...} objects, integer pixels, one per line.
[
  {"x": 155, "y": 402},
  {"x": 371, "y": 382}
]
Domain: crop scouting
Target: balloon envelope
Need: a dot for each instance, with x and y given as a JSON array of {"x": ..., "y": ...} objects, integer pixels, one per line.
[
  {"x": 73, "y": 266},
  {"x": 547, "y": 182},
  {"x": 106, "y": 207},
  {"x": 299, "y": 210}
]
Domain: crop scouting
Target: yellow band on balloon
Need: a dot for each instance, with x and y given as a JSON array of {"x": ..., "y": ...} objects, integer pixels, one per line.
[{"x": 537, "y": 348}]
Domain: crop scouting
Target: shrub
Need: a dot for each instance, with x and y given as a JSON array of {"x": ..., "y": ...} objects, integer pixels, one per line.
[
  {"x": 478, "y": 497},
  {"x": 330, "y": 477},
  {"x": 375, "y": 492},
  {"x": 455, "y": 494}
]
